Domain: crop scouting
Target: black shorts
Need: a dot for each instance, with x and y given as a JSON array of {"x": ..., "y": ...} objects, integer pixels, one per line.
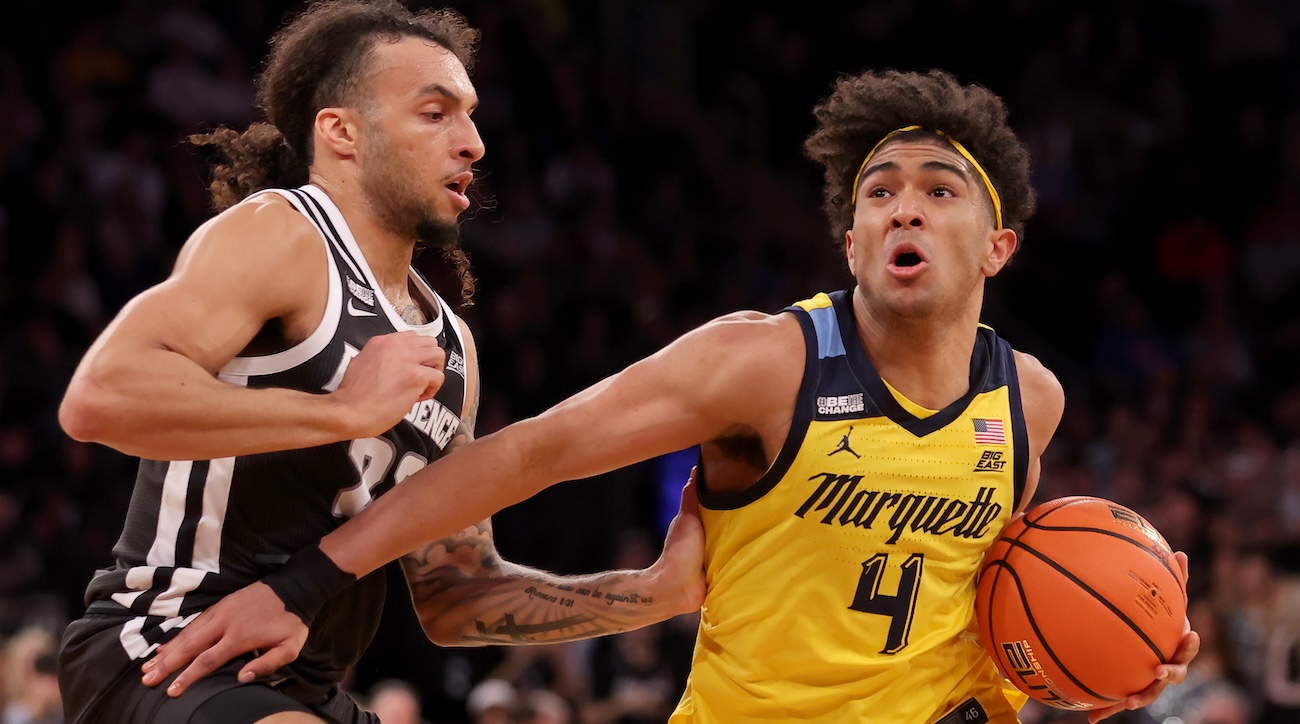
[{"x": 100, "y": 684}]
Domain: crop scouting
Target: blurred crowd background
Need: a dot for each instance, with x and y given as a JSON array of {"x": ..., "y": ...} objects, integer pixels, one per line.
[{"x": 644, "y": 173}]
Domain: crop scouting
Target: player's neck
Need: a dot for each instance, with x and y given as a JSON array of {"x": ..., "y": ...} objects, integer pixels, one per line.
[
  {"x": 387, "y": 253},
  {"x": 927, "y": 361},
  {"x": 389, "y": 257}
]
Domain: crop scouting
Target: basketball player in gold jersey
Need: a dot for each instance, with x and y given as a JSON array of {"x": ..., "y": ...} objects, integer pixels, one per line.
[{"x": 860, "y": 450}]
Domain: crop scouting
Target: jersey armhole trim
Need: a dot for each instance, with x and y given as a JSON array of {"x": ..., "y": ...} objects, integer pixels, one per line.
[
  {"x": 318, "y": 339},
  {"x": 1019, "y": 430},
  {"x": 799, "y": 423},
  {"x": 445, "y": 318}
]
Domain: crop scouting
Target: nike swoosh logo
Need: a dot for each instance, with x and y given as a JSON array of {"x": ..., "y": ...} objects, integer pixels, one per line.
[{"x": 352, "y": 309}]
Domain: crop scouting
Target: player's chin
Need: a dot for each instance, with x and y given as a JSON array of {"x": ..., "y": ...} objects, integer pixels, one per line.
[{"x": 439, "y": 232}]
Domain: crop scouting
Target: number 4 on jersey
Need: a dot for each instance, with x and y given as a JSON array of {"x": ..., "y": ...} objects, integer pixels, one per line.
[{"x": 899, "y": 607}]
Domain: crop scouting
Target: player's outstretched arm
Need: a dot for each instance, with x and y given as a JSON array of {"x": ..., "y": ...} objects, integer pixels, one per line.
[
  {"x": 465, "y": 595},
  {"x": 1174, "y": 672},
  {"x": 148, "y": 386},
  {"x": 707, "y": 385}
]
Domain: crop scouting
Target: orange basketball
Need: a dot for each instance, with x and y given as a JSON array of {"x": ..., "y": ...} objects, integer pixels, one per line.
[{"x": 1079, "y": 601}]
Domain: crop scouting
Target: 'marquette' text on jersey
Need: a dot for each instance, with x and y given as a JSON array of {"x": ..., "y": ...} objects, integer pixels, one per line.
[{"x": 932, "y": 514}]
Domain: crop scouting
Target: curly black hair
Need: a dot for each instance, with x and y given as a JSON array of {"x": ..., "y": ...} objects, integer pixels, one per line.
[
  {"x": 861, "y": 109},
  {"x": 318, "y": 60}
]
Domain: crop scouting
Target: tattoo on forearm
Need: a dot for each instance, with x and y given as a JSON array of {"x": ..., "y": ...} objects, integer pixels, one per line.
[
  {"x": 455, "y": 592},
  {"x": 471, "y": 538},
  {"x": 506, "y": 629},
  {"x": 464, "y": 592}
]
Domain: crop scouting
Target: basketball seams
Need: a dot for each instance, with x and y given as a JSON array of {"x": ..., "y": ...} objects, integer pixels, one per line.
[
  {"x": 1091, "y": 592},
  {"x": 1059, "y": 541},
  {"x": 1119, "y": 536},
  {"x": 1065, "y": 542},
  {"x": 1038, "y": 633},
  {"x": 1164, "y": 562}
]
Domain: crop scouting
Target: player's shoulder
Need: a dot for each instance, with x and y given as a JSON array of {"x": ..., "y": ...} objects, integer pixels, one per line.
[
  {"x": 738, "y": 353},
  {"x": 1040, "y": 391},
  {"x": 261, "y": 227},
  {"x": 268, "y": 216},
  {"x": 750, "y": 327},
  {"x": 1033, "y": 373}
]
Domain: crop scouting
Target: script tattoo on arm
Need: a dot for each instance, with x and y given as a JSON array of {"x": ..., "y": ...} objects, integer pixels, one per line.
[{"x": 466, "y": 595}]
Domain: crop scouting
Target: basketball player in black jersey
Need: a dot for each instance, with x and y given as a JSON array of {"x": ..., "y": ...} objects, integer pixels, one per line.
[
  {"x": 927, "y": 191},
  {"x": 293, "y": 368}
]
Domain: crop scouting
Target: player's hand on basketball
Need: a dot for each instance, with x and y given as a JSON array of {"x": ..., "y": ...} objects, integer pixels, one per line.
[
  {"x": 1174, "y": 672},
  {"x": 680, "y": 568},
  {"x": 251, "y": 619},
  {"x": 390, "y": 374}
]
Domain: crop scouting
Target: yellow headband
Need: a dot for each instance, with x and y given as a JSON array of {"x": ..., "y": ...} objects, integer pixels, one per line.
[{"x": 993, "y": 193}]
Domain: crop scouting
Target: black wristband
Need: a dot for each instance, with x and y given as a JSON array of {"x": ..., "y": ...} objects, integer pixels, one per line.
[{"x": 306, "y": 581}]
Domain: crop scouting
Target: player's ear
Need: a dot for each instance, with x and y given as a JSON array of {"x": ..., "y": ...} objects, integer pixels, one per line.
[
  {"x": 338, "y": 129},
  {"x": 1002, "y": 244}
]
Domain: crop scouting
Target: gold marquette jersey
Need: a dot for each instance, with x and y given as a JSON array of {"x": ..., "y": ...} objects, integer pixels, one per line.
[{"x": 841, "y": 586}]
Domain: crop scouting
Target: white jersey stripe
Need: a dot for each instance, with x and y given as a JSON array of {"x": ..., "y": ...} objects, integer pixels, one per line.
[
  {"x": 168, "y": 603},
  {"x": 125, "y": 599},
  {"x": 138, "y": 579},
  {"x": 132, "y": 642},
  {"x": 216, "y": 494},
  {"x": 320, "y": 213},
  {"x": 171, "y": 512}
]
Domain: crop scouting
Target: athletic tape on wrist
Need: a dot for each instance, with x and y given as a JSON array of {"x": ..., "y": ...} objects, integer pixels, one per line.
[{"x": 307, "y": 581}]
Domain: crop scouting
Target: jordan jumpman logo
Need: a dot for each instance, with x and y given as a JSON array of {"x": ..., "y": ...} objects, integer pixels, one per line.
[{"x": 844, "y": 445}]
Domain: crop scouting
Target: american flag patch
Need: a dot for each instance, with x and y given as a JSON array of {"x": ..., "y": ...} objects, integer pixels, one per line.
[{"x": 989, "y": 432}]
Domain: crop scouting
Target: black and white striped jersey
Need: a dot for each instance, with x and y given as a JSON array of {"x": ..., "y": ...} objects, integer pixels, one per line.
[{"x": 197, "y": 530}]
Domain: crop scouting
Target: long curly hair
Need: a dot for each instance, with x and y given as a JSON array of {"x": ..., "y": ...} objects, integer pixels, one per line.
[
  {"x": 861, "y": 109},
  {"x": 318, "y": 60}
]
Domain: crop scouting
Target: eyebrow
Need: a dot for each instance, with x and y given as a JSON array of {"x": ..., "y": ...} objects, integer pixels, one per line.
[
  {"x": 438, "y": 89},
  {"x": 927, "y": 166}
]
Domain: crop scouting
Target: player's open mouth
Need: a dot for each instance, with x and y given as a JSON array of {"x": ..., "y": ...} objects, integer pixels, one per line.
[
  {"x": 459, "y": 185},
  {"x": 460, "y": 182},
  {"x": 907, "y": 259}
]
